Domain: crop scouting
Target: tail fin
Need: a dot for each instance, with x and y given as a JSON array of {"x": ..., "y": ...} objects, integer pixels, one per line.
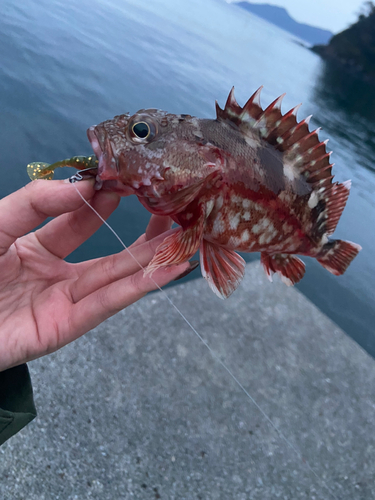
[{"x": 337, "y": 255}]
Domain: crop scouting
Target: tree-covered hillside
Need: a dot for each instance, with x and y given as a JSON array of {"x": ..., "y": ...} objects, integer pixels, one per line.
[{"x": 354, "y": 48}]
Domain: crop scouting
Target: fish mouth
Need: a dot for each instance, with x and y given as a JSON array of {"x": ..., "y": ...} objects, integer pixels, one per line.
[
  {"x": 107, "y": 177},
  {"x": 107, "y": 167}
]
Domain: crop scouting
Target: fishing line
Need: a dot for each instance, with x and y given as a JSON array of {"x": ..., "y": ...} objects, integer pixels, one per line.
[{"x": 212, "y": 352}]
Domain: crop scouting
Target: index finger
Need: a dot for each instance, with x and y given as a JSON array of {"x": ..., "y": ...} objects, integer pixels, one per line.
[
  {"x": 23, "y": 210},
  {"x": 158, "y": 224}
]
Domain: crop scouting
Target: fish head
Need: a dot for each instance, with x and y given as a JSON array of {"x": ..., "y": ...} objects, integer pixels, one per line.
[
  {"x": 156, "y": 155},
  {"x": 130, "y": 149}
]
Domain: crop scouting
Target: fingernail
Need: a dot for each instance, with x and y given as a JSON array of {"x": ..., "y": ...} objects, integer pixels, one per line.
[{"x": 193, "y": 265}]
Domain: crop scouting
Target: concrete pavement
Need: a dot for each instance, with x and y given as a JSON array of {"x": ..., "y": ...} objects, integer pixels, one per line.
[{"x": 139, "y": 408}]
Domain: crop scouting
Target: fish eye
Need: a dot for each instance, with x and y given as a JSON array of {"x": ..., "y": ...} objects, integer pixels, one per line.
[{"x": 141, "y": 130}]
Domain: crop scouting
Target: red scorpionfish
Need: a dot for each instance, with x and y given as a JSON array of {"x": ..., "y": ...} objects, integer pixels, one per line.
[{"x": 251, "y": 180}]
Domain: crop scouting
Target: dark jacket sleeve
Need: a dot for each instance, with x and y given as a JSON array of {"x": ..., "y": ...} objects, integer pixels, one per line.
[{"x": 17, "y": 407}]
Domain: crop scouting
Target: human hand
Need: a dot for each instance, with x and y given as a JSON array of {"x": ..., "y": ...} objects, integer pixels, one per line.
[{"x": 46, "y": 302}]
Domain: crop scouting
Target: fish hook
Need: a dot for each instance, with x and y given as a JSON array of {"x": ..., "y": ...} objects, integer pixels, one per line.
[{"x": 78, "y": 175}]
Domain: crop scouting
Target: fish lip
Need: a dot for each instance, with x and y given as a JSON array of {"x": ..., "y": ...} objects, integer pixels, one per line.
[
  {"x": 103, "y": 149},
  {"x": 91, "y": 135}
]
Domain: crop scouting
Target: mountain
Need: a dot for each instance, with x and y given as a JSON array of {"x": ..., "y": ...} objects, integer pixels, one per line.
[
  {"x": 280, "y": 17},
  {"x": 354, "y": 48}
]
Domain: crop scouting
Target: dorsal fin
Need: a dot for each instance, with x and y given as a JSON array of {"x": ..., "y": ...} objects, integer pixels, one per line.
[
  {"x": 302, "y": 150},
  {"x": 231, "y": 110},
  {"x": 334, "y": 198}
]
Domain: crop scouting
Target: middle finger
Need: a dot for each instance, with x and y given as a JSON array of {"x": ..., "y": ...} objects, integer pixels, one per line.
[{"x": 106, "y": 270}]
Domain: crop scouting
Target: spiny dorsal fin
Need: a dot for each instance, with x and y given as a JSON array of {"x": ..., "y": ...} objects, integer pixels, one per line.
[
  {"x": 231, "y": 109},
  {"x": 301, "y": 148}
]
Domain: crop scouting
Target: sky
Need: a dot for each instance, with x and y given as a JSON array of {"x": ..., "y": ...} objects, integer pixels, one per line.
[{"x": 334, "y": 15}]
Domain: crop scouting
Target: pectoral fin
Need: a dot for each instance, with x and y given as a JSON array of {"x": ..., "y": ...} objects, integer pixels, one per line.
[
  {"x": 179, "y": 247},
  {"x": 222, "y": 268},
  {"x": 289, "y": 267},
  {"x": 172, "y": 203},
  {"x": 176, "y": 201}
]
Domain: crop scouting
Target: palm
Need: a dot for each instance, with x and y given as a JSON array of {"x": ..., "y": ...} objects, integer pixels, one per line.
[{"x": 46, "y": 302}]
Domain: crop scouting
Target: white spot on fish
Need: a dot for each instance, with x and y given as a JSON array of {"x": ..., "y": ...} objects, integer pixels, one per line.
[
  {"x": 172, "y": 167},
  {"x": 291, "y": 242},
  {"x": 262, "y": 239},
  {"x": 322, "y": 215},
  {"x": 256, "y": 229},
  {"x": 252, "y": 141},
  {"x": 245, "y": 236},
  {"x": 246, "y": 117},
  {"x": 272, "y": 231},
  {"x": 236, "y": 199},
  {"x": 246, "y": 216},
  {"x": 246, "y": 203},
  {"x": 209, "y": 206},
  {"x": 234, "y": 242},
  {"x": 219, "y": 202},
  {"x": 313, "y": 200},
  {"x": 154, "y": 153},
  {"x": 261, "y": 226},
  {"x": 270, "y": 236},
  {"x": 258, "y": 207},
  {"x": 219, "y": 226},
  {"x": 234, "y": 221},
  {"x": 290, "y": 171},
  {"x": 265, "y": 238},
  {"x": 298, "y": 159}
]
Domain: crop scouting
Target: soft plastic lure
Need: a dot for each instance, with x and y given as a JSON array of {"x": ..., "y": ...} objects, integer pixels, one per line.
[{"x": 42, "y": 170}]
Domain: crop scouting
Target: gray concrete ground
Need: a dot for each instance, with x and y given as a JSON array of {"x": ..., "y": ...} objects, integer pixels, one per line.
[{"x": 139, "y": 408}]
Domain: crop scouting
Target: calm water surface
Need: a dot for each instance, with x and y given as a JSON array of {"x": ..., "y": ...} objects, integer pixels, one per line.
[{"x": 66, "y": 65}]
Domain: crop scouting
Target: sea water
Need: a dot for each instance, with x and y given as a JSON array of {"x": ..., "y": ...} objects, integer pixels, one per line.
[{"x": 66, "y": 65}]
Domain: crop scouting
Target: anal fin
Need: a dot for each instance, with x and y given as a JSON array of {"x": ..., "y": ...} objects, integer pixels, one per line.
[
  {"x": 222, "y": 268},
  {"x": 289, "y": 267}
]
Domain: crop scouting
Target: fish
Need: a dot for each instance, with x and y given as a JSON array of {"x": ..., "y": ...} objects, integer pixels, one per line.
[{"x": 249, "y": 180}]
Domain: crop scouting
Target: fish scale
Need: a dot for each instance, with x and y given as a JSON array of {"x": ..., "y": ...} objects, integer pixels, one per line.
[{"x": 250, "y": 180}]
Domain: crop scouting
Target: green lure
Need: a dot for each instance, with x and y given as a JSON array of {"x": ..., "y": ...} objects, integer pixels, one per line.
[{"x": 40, "y": 170}]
